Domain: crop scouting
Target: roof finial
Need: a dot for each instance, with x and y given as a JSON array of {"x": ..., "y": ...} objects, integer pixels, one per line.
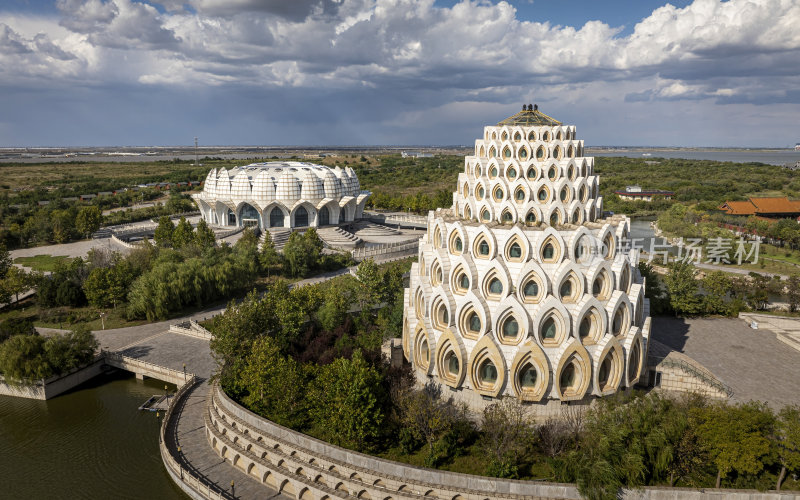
[
  {"x": 536, "y": 107},
  {"x": 529, "y": 107},
  {"x": 523, "y": 107}
]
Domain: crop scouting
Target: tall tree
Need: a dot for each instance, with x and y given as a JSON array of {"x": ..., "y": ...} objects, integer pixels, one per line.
[
  {"x": 204, "y": 236},
  {"x": 183, "y": 233},
  {"x": 717, "y": 285},
  {"x": 17, "y": 281},
  {"x": 5, "y": 260},
  {"x": 793, "y": 292},
  {"x": 88, "y": 220},
  {"x": 788, "y": 441},
  {"x": 268, "y": 255},
  {"x": 347, "y": 402},
  {"x": 683, "y": 288},
  {"x": 736, "y": 438},
  {"x": 427, "y": 414},
  {"x": 274, "y": 384},
  {"x": 164, "y": 231},
  {"x": 507, "y": 432}
]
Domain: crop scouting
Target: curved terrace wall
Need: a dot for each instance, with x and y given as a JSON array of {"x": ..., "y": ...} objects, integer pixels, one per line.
[{"x": 304, "y": 467}]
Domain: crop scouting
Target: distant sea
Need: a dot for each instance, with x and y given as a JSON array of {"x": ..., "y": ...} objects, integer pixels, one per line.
[{"x": 771, "y": 157}]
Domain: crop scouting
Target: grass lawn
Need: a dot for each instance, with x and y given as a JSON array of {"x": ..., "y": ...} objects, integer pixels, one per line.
[{"x": 43, "y": 262}]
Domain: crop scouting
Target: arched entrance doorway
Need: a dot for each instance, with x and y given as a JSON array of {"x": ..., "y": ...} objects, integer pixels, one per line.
[
  {"x": 301, "y": 217},
  {"x": 324, "y": 216},
  {"x": 248, "y": 216},
  {"x": 276, "y": 217},
  {"x": 231, "y": 218}
]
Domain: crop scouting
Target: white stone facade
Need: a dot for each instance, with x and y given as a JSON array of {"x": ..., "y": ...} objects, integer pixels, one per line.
[
  {"x": 521, "y": 288},
  {"x": 281, "y": 194}
]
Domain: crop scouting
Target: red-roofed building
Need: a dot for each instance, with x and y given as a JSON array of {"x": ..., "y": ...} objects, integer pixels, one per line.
[{"x": 768, "y": 207}]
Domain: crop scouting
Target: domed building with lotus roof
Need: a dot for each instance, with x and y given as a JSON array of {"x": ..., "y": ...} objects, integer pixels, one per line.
[
  {"x": 522, "y": 288},
  {"x": 281, "y": 195}
]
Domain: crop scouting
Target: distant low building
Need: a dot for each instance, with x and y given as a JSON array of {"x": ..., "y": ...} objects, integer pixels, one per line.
[
  {"x": 797, "y": 147},
  {"x": 768, "y": 207},
  {"x": 416, "y": 154},
  {"x": 633, "y": 193}
]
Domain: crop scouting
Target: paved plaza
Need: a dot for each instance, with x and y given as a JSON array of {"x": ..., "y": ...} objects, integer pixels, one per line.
[{"x": 754, "y": 363}]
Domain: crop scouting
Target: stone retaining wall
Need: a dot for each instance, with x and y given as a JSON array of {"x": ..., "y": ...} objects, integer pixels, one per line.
[
  {"x": 306, "y": 468},
  {"x": 191, "y": 328},
  {"x": 123, "y": 243},
  {"x": 55, "y": 385}
]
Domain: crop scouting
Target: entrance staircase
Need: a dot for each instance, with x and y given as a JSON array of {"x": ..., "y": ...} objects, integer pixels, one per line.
[{"x": 336, "y": 237}]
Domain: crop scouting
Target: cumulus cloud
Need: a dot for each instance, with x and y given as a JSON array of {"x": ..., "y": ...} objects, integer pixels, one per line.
[{"x": 414, "y": 52}]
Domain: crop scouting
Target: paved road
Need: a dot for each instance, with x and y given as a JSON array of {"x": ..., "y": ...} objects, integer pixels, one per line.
[
  {"x": 753, "y": 363},
  {"x": 75, "y": 249}
]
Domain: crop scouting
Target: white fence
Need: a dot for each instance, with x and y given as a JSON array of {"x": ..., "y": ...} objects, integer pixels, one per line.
[{"x": 388, "y": 251}]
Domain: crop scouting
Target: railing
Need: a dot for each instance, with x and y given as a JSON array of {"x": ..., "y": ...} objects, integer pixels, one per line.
[
  {"x": 191, "y": 328},
  {"x": 122, "y": 242},
  {"x": 186, "y": 476},
  {"x": 227, "y": 234},
  {"x": 388, "y": 249},
  {"x": 675, "y": 362},
  {"x": 131, "y": 364}
]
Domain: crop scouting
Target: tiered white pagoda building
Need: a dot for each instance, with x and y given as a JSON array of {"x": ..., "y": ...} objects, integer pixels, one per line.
[{"x": 522, "y": 289}]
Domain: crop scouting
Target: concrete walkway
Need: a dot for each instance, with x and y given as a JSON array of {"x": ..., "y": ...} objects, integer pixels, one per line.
[
  {"x": 75, "y": 249},
  {"x": 187, "y": 430},
  {"x": 753, "y": 363}
]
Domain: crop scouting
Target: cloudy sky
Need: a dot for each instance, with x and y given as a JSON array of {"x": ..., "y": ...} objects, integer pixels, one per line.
[{"x": 325, "y": 72}]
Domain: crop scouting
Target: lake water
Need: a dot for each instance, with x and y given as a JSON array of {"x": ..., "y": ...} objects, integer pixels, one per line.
[
  {"x": 771, "y": 157},
  {"x": 90, "y": 443}
]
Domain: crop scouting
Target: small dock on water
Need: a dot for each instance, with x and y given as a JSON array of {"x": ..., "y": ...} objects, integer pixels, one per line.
[{"x": 157, "y": 402}]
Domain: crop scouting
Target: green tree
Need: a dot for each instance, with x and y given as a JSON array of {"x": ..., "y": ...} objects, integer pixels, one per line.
[
  {"x": 626, "y": 442},
  {"x": 164, "y": 232},
  {"x": 268, "y": 256},
  {"x": 233, "y": 333},
  {"x": 108, "y": 286},
  {"x": 22, "y": 357},
  {"x": 71, "y": 350},
  {"x": 717, "y": 285},
  {"x": 17, "y": 281},
  {"x": 274, "y": 384},
  {"x": 427, "y": 415},
  {"x": 683, "y": 288},
  {"x": 183, "y": 233},
  {"x": 654, "y": 289},
  {"x": 370, "y": 284},
  {"x": 338, "y": 297},
  {"x": 507, "y": 433},
  {"x": 62, "y": 223},
  {"x": 793, "y": 292},
  {"x": 88, "y": 220},
  {"x": 758, "y": 291},
  {"x": 301, "y": 254},
  {"x": 248, "y": 240},
  {"x": 736, "y": 438},
  {"x": 347, "y": 402},
  {"x": 787, "y": 438},
  {"x": 5, "y": 260},
  {"x": 204, "y": 236}
]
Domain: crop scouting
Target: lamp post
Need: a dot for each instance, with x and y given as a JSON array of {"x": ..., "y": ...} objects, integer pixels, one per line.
[
  {"x": 233, "y": 490},
  {"x": 158, "y": 419},
  {"x": 184, "y": 372}
]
